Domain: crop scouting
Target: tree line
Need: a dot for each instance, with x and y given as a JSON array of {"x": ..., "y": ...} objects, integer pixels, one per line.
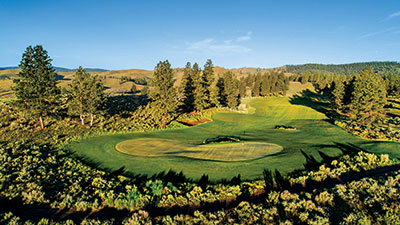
[
  {"x": 324, "y": 81},
  {"x": 37, "y": 91},
  {"x": 269, "y": 83},
  {"x": 347, "y": 69},
  {"x": 361, "y": 97}
]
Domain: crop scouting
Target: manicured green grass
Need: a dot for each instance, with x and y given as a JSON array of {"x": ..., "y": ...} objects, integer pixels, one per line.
[
  {"x": 223, "y": 152},
  {"x": 313, "y": 134}
]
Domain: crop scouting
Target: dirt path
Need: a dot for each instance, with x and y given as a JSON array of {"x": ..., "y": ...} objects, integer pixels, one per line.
[{"x": 36, "y": 212}]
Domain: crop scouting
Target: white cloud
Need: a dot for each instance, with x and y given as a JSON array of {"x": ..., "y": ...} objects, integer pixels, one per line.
[
  {"x": 245, "y": 38},
  {"x": 396, "y": 14},
  {"x": 211, "y": 46},
  {"x": 371, "y": 34}
]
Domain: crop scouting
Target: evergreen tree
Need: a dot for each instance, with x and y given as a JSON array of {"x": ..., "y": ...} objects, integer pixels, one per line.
[
  {"x": 242, "y": 87},
  {"x": 187, "y": 89},
  {"x": 265, "y": 86},
  {"x": 36, "y": 87},
  {"x": 305, "y": 77},
  {"x": 215, "y": 93},
  {"x": 348, "y": 90},
  {"x": 208, "y": 80},
  {"x": 231, "y": 89},
  {"x": 336, "y": 96},
  {"x": 249, "y": 80},
  {"x": 368, "y": 97},
  {"x": 87, "y": 95},
  {"x": 392, "y": 83},
  {"x": 283, "y": 83},
  {"x": 221, "y": 91},
  {"x": 200, "y": 92},
  {"x": 255, "y": 91},
  {"x": 163, "y": 92}
]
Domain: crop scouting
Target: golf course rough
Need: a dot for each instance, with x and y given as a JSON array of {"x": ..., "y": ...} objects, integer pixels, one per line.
[
  {"x": 314, "y": 135},
  {"x": 225, "y": 152}
]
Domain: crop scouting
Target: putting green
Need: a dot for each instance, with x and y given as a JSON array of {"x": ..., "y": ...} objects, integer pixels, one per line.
[
  {"x": 314, "y": 135},
  {"x": 227, "y": 152}
]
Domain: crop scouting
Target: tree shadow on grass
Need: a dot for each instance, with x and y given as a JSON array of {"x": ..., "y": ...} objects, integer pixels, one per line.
[
  {"x": 165, "y": 176},
  {"x": 313, "y": 164},
  {"x": 313, "y": 100},
  {"x": 134, "y": 177},
  {"x": 61, "y": 77}
]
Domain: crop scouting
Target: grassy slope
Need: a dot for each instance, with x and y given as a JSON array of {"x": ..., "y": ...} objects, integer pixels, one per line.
[
  {"x": 313, "y": 134},
  {"x": 297, "y": 87}
]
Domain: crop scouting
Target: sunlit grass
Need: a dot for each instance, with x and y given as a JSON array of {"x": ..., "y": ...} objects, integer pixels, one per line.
[{"x": 225, "y": 152}]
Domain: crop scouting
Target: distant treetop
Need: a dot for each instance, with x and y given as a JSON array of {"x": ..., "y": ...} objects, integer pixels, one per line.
[{"x": 380, "y": 67}]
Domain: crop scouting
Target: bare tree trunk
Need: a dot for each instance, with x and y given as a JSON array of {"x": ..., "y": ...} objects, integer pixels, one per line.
[
  {"x": 163, "y": 121},
  {"x": 91, "y": 119},
  {"x": 82, "y": 120},
  {"x": 41, "y": 122}
]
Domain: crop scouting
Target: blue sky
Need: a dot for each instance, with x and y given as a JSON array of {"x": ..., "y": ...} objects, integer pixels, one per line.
[{"x": 138, "y": 34}]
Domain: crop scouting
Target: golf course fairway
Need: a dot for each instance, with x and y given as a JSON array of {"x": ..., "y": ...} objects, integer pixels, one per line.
[{"x": 184, "y": 149}]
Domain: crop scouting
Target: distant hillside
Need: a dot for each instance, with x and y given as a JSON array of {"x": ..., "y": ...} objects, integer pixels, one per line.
[
  {"x": 7, "y": 74},
  {"x": 380, "y": 67},
  {"x": 9, "y": 68},
  {"x": 61, "y": 69},
  {"x": 58, "y": 69}
]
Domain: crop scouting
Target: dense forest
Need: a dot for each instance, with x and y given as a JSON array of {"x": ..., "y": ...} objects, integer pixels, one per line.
[{"x": 347, "y": 69}]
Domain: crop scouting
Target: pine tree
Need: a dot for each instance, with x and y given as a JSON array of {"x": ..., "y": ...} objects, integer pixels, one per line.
[
  {"x": 249, "y": 80},
  {"x": 200, "y": 92},
  {"x": 337, "y": 94},
  {"x": 215, "y": 93},
  {"x": 368, "y": 97},
  {"x": 208, "y": 80},
  {"x": 392, "y": 83},
  {"x": 231, "y": 91},
  {"x": 348, "y": 90},
  {"x": 255, "y": 91},
  {"x": 265, "y": 86},
  {"x": 163, "y": 92},
  {"x": 187, "y": 89},
  {"x": 242, "y": 87},
  {"x": 87, "y": 95},
  {"x": 220, "y": 92},
  {"x": 36, "y": 87}
]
